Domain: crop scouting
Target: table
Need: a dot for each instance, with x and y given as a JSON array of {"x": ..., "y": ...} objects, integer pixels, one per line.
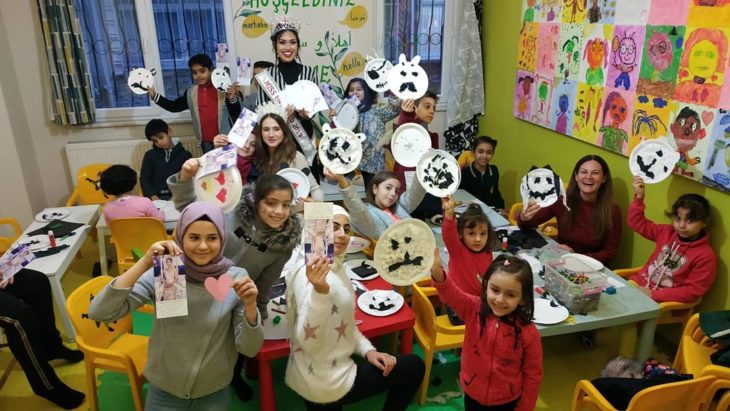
[
  {"x": 496, "y": 219},
  {"x": 55, "y": 266},
  {"x": 332, "y": 191},
  {"x": 103, "y": 232},
  {"x": 403, "y": 320}
]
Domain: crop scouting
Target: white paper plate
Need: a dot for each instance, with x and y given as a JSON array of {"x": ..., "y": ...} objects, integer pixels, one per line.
[
  {"x": 50, "y": 214},
  {"x": 35, "y": 243},
  {"x": 410, "y": 141},
  {"x": 653, "y": 160},
  {"x": 357, "y": 244},
  {"x": 547, "y": 314},
  {"x": 347, "y": 116},
  {"x": 340, "y": 149},
  {"x": 407, "y": 79},
  {"x": 438, "y": 219},
  {"x": 535, "y": 264},
  {"x": 376, "y": 74},
  {"x": 372, "y": 301},
  {"x": 221, "y": 79},
  {"x": 582, "y": 260},
  {"x": 540, "y": 185},
  {"x": 139, "y": 80},
  {"x": 404, "y": 252},
  {"x": 222, "y": 188},
  {"x": 439, "y": 173},
  {"x": 350, "y": 264},
  {"x": 299, "y": 181}
]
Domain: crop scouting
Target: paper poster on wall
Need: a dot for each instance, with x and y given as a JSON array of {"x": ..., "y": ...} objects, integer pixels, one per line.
[{"x": 616, "y": 73}]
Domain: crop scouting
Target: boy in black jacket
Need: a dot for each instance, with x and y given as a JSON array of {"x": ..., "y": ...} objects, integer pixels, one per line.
[{"x": 164, "y": 159}]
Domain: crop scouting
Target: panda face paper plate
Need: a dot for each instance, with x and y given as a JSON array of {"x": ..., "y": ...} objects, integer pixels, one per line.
[
  {"x": 376, "y": 74},
  {"x": 222, "y": 188},
  {"x": 407, "y": 79},
  {"x": 140, "y": 80},
  {"x": 653, "y": 160},
  {"x": 439, "y": 173},
  {"x": 404, "y": 252},
  {"x": 409, "y": 143},
  {"x": 541, "y": 185},
  {"x": 221, "y": 79},
  {"x": 340, "y": 149},
  {"x": 380, "y": 303}
]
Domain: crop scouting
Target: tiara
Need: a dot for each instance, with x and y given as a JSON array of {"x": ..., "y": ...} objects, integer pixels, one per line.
[
  {"x": 285, "y": 23},
  {"x": 271, "y": 108}
]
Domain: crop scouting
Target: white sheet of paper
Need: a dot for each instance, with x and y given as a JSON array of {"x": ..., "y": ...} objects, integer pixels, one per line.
[{"x": 243, "y": 127}]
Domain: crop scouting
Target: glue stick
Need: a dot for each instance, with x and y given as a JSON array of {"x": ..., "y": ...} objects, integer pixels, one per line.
[
  {"x": 51, "y": 238},
  {"x": 504, "y": 243}
]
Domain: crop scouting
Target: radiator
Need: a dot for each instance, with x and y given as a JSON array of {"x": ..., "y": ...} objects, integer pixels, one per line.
[{"x": 128, "y": 152}]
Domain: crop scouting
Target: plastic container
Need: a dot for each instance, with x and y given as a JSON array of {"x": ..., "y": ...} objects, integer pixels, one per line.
[{"x": 575, "y": 285}]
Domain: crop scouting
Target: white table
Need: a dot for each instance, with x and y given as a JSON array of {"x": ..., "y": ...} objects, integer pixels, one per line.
[
  {"x": 332, "y": 191},
  {"x": 55, "y": 266},
  {"x": 103, "y": 232}
]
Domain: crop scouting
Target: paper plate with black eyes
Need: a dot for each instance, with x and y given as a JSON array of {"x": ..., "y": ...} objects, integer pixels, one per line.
[
  {"x": 221, "y": 79},
  {"x": 140, "y": 80},
  {"x": 376, "y": 74},
  {"x": 439, "y": 173},
  {"x": 409, "y": 143},
  {"x": 653, "y": 160},
  {"x": 543, "y": 186},
  {"x": 340, "y": 149},
  {"x": 50, "y": 214},
  {"x": 549, "y": 312},
  {"x": 404, "y": 252},
  {"x": 407, "y": 79},
  {"x": 380, "y": 303}
]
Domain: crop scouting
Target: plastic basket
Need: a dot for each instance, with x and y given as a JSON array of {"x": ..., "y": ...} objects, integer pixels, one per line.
[{"x": 575, "y": 285}]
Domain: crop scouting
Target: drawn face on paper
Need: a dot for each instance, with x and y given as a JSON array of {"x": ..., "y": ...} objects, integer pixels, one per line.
[
  {"x": 660, "y": 51},
  {"x": 221, "y": 79},
  {"x": 687, "y": 130},
  {"x": 407, "y": 79},
  {"x": 625, "y": 49},
  {"x": 703, "y": 59},
  {"x": 617, "y": 110},
  {"x": 595, "y": 52},
  {"x": 140, "y": 80},
  {"x": 542, "y": 185},
  {"x": 376, "y": 74}
]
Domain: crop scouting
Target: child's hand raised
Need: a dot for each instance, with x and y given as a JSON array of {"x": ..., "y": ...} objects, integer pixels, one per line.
[
  {"x": 189, "y": 169},
  {"x": 449, "y": 205},
  {"x": 638, "y": 184},
  {"x": 151, "y": 92},
  {"x": 317, "y": 271},
  {"x": 339, "y": 178},
  {"x": 408, "y": 105},
  {"x": 160, "y": 248},
  {"x": 437, "y": 273}
]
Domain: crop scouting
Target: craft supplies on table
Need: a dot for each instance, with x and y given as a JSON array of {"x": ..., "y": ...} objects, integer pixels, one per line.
[{"x": 574, "y": 284}]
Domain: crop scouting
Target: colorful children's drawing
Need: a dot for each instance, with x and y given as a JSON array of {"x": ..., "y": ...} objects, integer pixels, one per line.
[
  {"x": 717, "y": 168},
  {"x": 625, "y": 57},
  {"x": 615, "y": 120},
  {"x": 547, "y": 46},
  {"x": 633, "y": 11},
  {"x": 562, "y": 105},
  {"x": 528, "y": 16},
  {"x": 551, "y": 10},
  {"x": 649, "y": 120},
  {"x": 574, "y": 11},
  {"x": 595, "y": 53},
  {"x": 601, "y": 11},
  {"x": 524, "y": 91},
  {"x": 569, "y": 51},
  {"x": 688, "y": 128},
  {"x": 702, "y": 67},
  {"x": 541, "y": 100},
  {"x": 528, "y": 47},
  {"x": 662, "y": 51},
  {"x": 668, "y": 12},
  {"x": 587, "y": 112},
  {"x": 708, "y": 13}
]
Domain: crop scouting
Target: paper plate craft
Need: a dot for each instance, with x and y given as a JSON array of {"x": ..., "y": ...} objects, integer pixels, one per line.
[
  {"x": 376, "y": 74},
  {"x": 357, "y": 244},
  {"x": 50, "y": 214},
  {"x": 410, "y": 141},
  {"x": 140, "y": 80},
  {"x": 304, "y": 95},
  {"x": 549, "y": 312},
  {"x": 579, "y": 262},
  {"x": 361, "y": 269},
  {"x": 340, "y": 149},
  {"x": 35, "y": 243},
  {"x": 347, "y": 116},
  {"x": 404, "y": 252},
  {"x": 221, "y": 78},
  {"x": 407, "y": 79},
  {"x": 380, "y": 303},
  {"x": 222, "y": 188},
  {"x": 543, "y": 186},
  {"x": 438, "y": 219},
  {"x": 299, "y": 181},
  {"x": 439, "y": 173},
  {"x": 653, "y": 160},
  {"x": 535, "y": 264}
]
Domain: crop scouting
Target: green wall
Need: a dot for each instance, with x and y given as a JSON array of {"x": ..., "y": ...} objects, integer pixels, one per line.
[{"x": 522, "y": 144}]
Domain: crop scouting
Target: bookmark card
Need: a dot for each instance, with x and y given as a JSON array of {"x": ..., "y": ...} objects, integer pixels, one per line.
[
  {"x": 245, "y": 71},
  {"x": 218, "y": 160},
  {"x": 13, "y": 261},
  {"x": 171, "y": 298},
  {"x": 243, "y": 127},
  {"x": 318, "y": 235}
]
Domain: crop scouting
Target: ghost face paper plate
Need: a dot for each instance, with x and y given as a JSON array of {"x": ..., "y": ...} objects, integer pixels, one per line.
[
  {"x": 140, "y": 80},
  {"x": 541, "y": 185},
  {"x": 439, "y": 173},
  {"x": 221, "y": 79},
  {"x": 376, "y": 74},
  {"x": 404, "y": 252},
  {"x": 407, "y": 79},
  {"x": 222, "y": 188},
  {"x": 298, "y": 180},
  {"x": 380, "y": 303},
  {"x": 340, "y": 149},
  {"x": 409, "y": 143},
  {"x": 653, "y": 160}
]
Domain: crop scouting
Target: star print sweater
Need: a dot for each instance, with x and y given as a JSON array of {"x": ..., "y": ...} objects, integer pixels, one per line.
[
  {"x": 323, "y": 336},
  {"x": 464, "y": 265},
  {"x": 501, "y": 363},
  {"x": 683, "y": 275}
]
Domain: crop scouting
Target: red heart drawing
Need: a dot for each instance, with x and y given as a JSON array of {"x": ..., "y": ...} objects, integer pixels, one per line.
[
  {"x": 218, "y": 288},
  {"x": 707, "y": 117},
  {"x": 221, "y": 196},
  {"x": 221, "y": 178}
]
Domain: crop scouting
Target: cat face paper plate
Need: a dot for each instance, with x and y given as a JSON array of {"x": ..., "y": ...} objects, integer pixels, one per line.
[
  {"x": 541, "y": 185},
  {"x": 222, "y": 188},
  {"x": 653, "y": 160},
  {"x": 340, "y": 149},
  {"x": 376, "y": 74},
  {"x": 140, "y": 80},
  {"x": 407, "y": 79},
  {"x": 410, "y": 141},
  {"x": 404, "y": 252},
  {"x": 221, "y": 79},
  {"x": 380, "y": 303},
  {"x": 439, "y": 173}
]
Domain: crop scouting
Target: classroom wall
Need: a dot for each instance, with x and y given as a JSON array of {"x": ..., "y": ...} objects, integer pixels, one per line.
[{"x": 522, "y": 145}]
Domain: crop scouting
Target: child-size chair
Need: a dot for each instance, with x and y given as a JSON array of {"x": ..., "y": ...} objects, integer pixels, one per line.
[
  {"x": 434, "y": 333},
  {"x": 87, "y": 190},
  {"x": 109, "y": 346},
  {"x": 721, "y": 386},
  {"x": 693, "y": 354},
  {"x": 6, "y": 242},
  {"x": 135, "y": 232}
]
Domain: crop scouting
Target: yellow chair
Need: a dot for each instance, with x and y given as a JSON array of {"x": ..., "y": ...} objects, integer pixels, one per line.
[
  {"x": 87, "y": 189},
  {"x": 6, "y": 242},
  {"x": 433, "y": 333},
  {"x": 693, "y": 354},
  {"x": 514, "y": 211},
  {"x": 679, "y": 396},
  {"x": 721, "y": 386},
  {"x": 465, "y": 158},
  {"x": 135, "y": 232},
  {"x": 549, "y": 228},
  {"x": 106, "y": 346}
]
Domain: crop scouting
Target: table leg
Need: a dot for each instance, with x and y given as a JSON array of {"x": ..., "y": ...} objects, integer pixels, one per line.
[
  {"x": 406, "y": 341},
  {"x": 645, "y": 343},
  {"x": 101, "y": 240},
  {"x": 60, "y": 300},
  {"x": 266, "y": 387}
]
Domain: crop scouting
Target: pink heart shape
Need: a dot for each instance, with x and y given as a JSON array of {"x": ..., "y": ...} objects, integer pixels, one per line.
[
  {"x": 218, "y": 288},
  {"x": 707, "y": 117}
]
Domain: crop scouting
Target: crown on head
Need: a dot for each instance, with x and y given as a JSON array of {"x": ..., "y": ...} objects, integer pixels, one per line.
[
  {"x": 273, "y": 108},
  {"x": 284, "y": 23}
]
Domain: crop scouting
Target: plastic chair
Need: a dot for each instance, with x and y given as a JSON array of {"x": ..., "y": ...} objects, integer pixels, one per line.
[
  {"x": 720, "y": 389},
  {"x": 549, "y": 228},
  {"x": 87, "y": 189},
  {"x": 107, "y": 346},
  {"x": 693, "y": 355},
  {"x": 135, "y": 232},
  {"x": 679, "y": 396},
  {"x": 465, "y": 158},
  {"x": 6, "y": 242},
  {"x": 433, "y": 333}
]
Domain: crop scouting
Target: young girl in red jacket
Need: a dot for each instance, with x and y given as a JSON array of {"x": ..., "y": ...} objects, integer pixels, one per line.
[
  {"x": 683, "y": 265},
  {"x": 501, "y": 359}
]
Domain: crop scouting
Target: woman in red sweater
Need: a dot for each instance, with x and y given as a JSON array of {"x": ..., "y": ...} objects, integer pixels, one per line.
[{"x": 592, "y": 225}]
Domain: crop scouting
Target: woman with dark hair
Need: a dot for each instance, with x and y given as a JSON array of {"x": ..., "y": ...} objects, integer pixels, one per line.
[{"x": 591, "y": 224}]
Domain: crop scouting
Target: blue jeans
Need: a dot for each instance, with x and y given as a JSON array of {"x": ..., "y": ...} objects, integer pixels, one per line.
[{"x": 158, "y": 400}]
